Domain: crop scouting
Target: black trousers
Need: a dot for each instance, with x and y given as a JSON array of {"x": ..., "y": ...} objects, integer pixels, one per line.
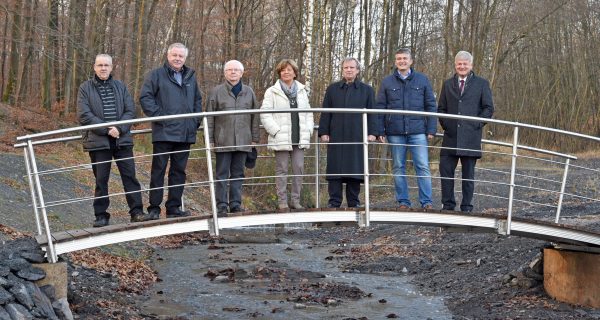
[
  {"x": 447, "y": 168},
  {"x": 230, "y": 165},
  {"x": 335, "y": 192},
  {"x": 176, "y": 173},
  {"x": 102, "y": 175}
]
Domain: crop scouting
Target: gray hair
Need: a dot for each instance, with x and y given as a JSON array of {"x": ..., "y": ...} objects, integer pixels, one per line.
[
  {"x": 464, "y": 55},
  {"x": 348, "y": 59},
  {"x": 178, "y": 45},
  {"x": 103, "y": 55},
  {"x": 404, "y": 51},
  {"x": 240, "y": 65}
]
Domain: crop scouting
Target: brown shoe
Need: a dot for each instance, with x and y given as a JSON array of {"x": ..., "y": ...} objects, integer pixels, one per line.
[
  {"x": 403, "y": 207},
  {"x": 428, "y": 207}
]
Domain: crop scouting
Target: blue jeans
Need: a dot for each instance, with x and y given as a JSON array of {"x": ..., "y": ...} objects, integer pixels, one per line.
[{"x": 417, "y": 144}]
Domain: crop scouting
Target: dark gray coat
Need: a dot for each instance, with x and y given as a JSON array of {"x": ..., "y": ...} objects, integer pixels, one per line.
[
  {"x": 161, "y": 95},
  {"x": 346, "y": 161},
  {"x": 234, "y": 131},
  {"x": 476, "y": 100},
  {"x": 91, "y": 111}
]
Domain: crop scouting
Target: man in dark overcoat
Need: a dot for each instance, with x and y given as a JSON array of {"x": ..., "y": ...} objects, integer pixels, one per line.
[
  {"x": 345, "y": 162},
  {"x": 469, "y": 95}
]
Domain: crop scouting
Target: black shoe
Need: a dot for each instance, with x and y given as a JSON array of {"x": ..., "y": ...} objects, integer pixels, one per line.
[
  {"x": 222, "y": 212},
  {"x": 138, "y": 216},
  {"x": 177, "y": 213},
  {"x": 153, "y": 214},
  {"x": 237, "y": 209},
  {"x": 444, "y": 208},
  {"x": 101, "y": 221}
]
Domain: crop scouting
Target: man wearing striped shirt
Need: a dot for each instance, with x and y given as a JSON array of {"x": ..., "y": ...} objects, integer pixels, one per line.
[{"x": 103, "y": 99}]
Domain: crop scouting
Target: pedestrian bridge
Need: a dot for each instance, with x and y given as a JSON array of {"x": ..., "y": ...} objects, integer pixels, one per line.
[{"x": 521, "y": 189}]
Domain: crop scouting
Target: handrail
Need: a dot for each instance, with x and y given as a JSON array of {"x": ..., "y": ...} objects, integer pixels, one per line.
[
  {"x": 29, "y": 141},
  {"x": 313, "y": 110}
]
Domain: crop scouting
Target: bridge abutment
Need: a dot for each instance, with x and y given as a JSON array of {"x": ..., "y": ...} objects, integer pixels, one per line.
[{"x": 572, "y": 276}]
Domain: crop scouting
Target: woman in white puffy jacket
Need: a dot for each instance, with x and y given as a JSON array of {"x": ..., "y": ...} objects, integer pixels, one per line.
[{"x": 289, "y": 133}]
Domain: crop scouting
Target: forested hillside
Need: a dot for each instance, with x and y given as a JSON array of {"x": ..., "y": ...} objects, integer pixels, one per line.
[{"x": 540, "y": 56}]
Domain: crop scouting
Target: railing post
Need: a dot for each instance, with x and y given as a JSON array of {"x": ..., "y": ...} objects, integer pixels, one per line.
[
  {"x": 562, "y": 190},
  {"x": 366, "y": 168},
  {"x": 513, "y": 168},
  {"x": 317, "y": 161},
  {"x": 32, "y": 191},
  {"x": 211, "y": 180},
  {"x": 36, "y": 178}
]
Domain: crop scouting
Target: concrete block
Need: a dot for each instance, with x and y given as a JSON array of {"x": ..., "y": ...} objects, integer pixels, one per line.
[
  {"x": 56, "y": 275},
  {"x": 572, "y": 277}
]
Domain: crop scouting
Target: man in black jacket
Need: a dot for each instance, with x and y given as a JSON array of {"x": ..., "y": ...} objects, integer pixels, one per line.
[
  {"x": 345, "y": 154},
  {"x": 469, "y": 95},
  {"x": 169, "y": 90},
  {"x": 103, "y": 99}
]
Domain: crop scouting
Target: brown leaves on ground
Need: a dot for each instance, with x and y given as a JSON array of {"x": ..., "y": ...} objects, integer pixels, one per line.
[
  {"x": 180, "y": 240},
  {"x": 12, "y": 233},
  {"x": 382, "y": 247},
  {"x": 134, "y": 276}
]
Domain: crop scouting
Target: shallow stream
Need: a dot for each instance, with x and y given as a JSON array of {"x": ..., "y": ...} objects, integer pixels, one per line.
[{"x": 186, "y": 293}]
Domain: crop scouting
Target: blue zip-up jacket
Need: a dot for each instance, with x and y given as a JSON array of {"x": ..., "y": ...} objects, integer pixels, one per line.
[
  {"x": 161, "y": 95},
  {"x": 413, "y": 93}
]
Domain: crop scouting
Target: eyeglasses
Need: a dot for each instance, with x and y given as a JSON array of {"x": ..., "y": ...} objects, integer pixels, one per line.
[{"x": 233, "y": 70}]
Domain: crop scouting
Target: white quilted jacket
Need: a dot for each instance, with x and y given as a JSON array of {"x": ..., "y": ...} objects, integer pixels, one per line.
[{"x": 279, "y": 125}]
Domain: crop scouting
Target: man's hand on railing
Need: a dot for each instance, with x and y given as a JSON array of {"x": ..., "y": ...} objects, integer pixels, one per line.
[
  {"x": 430, "y": 136},
  {"x": 325, "y": 138}
]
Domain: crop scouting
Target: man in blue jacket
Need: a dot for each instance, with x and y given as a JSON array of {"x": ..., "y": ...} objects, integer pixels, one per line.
[
  {"x": 169, "y": 90},
  {"x": 407, "y": 89}
]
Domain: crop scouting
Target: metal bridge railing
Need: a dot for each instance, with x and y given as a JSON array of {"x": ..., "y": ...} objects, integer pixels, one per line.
[{"x": 371, "y": 179}]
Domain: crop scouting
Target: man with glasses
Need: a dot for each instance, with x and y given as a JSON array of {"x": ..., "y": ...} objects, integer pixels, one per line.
[
  {"x": 232, "y": 136},
  {"x": 103, "y": 99}
]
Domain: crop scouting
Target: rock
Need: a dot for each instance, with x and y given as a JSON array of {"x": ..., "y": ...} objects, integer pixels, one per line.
[
  {"x": 404, "y": 270},
  {"x": 49, "y": 291},
  {"x": 514, "y": 282},
  {"x": 537, "y": 265},
  {"x": 507, "y": 278},
  {"x": 299, "y": 306},
  {"x": 18, "y": 312},
  {"x": 527, "y": 283},
  {"x": 331, "y": 302},
  {"x": 4, "y": 315},
  {"x": 22, "y": 295},
  {"x": 61, "y": 308},
  {"x": 41, "y": 301},
  {"x": 16, "y": 264},
  {"x": 33, "y": 257},
  {"x": 3, "y": 283},
  {"x": 32, "y": 274},
  {"x": 221, "y": 279},
  {"x": 4, "y": 271},
  {"x": 5, "y": 296}
]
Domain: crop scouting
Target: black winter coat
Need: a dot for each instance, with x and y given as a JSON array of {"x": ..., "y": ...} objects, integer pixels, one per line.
[
  {"x": 161, "y": 95},
  {"x": 476, "y": 101},
  {"x": 90, "y": 110},
  {"x": 346, "y": 161}
]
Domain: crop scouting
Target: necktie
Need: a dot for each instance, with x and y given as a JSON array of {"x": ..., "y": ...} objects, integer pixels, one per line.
[{"x": 462, "y": 86}]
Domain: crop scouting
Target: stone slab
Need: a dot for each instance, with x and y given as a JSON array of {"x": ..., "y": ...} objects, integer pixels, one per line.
[
  {"x": 56, "y": 275},
  {"x": 572, "y": 277}
]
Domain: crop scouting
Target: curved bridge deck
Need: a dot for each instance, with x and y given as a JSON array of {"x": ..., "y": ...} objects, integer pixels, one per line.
[{"x": 73, "y": 240}]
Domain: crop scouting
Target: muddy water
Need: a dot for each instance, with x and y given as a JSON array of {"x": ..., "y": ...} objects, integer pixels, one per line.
[{"x": 186, "y": 293}]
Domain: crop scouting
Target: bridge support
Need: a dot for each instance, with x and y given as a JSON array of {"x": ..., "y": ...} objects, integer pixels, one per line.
[{"x": 572, "y": 276}]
